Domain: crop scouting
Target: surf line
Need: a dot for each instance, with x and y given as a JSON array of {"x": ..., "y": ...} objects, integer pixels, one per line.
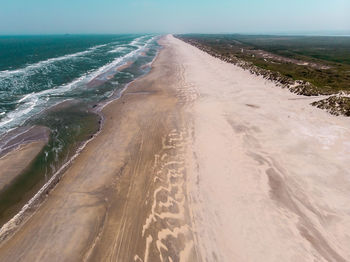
[{"x": 38, "y": 199}]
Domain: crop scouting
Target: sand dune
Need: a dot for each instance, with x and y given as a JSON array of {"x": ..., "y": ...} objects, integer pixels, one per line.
[{"x": 200, "y": 161}]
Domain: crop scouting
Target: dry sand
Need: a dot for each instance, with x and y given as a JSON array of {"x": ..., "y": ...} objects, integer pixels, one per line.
[
  {"x": 200, "y": 161},
  {"x": 270, "y": 173}
]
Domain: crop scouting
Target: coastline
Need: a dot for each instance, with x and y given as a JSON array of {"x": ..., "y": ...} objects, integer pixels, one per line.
[
  {"x": 113, "y": 161},
  {"x": 198, "y": 160},
  {"x": 33, "y": 140}
]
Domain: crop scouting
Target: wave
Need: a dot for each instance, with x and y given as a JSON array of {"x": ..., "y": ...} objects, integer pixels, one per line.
[
  {"x": 123, "y": 59},
  {"x": 25, "y": 98},
  {"x": 11, "y": 226},
  {"x": 137, "y": 41},
  {"x": 9, "y": 73},
  {"x": 118, "y": 49},
  {"x": 39, "y": 100},
  {"x": 118, "y": 60},
  {"x": 151, "y": 39},
  {"x": 32, "y": 101}
]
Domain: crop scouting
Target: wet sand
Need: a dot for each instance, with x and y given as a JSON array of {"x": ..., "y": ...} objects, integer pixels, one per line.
[
  {"x": 15, "y": 162},
  {"x": 21, "y": 136},
  {"x": 200, "y": 161},
  {"x": 123, "y": 199},
  {"x": 18, "y": 149},
  {"x": 99, "y": 80}
]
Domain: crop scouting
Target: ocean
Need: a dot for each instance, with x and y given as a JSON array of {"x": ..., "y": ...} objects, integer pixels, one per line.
[{"x": 59, "y": 82}]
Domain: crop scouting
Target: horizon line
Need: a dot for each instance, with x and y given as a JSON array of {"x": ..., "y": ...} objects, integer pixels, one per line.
[{"x": 290, "y": 33}]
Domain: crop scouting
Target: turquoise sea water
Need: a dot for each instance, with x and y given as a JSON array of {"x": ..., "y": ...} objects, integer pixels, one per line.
[
  {"x": 37, "y": 72},
  {"x": 57, "y": 81}
]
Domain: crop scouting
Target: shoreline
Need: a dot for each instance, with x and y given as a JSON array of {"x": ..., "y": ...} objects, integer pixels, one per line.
[
  {"x": 20, "y": 136},
  {"x": 14, "y": 224},
  {"x": 197, "y": 160},
  {"x": 118, "y": 162}
]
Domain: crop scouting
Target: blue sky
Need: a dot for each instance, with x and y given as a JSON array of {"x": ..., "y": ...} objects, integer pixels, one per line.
[{"x": 177, "y": 16}]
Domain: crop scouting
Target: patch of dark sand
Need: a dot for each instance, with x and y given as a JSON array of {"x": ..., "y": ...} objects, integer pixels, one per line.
[
  {"x": 22, "y": 136},
  {"x": 15, "y": 162},
  {"x": 18, "y": 148}
]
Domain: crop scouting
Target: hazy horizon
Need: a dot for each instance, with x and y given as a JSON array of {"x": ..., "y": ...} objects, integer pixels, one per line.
[
  {"x": 321, "y": 34},
  {"x": 325, "y": 17}
]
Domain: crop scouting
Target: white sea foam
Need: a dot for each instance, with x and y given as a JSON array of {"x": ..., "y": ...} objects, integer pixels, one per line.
[
  {"x": 33, "y": 101},
  {"x": 21, "y": 111},
  {"x": 136, "y": 42},
  {"x": 152, "y": 39},
  {"x": 25, "y": 97},
  {"x": 119, "y": 48},
  {"x": 117, "y": 61},
  {"x": 9, "y": 73},
  {"x": 36, "y": 102},
  {"x": 12, "y": 225}
]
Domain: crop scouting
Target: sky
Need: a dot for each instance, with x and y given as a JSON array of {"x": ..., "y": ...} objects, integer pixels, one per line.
[{"x": 177, "y": 16}]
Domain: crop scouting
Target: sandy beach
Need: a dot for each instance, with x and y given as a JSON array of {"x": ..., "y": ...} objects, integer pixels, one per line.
[
  {"x": 269, "y": 179},
  {"x": 199, "y": 160}
]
